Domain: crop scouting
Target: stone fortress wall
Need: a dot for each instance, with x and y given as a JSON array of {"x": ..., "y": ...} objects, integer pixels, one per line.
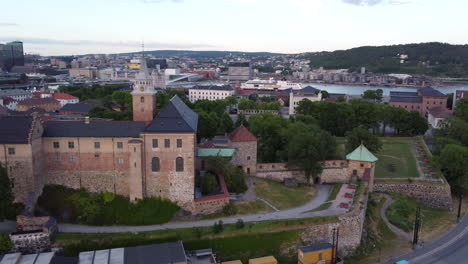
[{"x": 436, "y": 195}]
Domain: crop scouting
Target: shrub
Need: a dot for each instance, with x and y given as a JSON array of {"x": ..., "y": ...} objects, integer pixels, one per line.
[
  {"x": 5, "y": 242},
  {"x": 229, "y": 209},
  {"x": 208, "y": 184},
  {"x": 197, "y": 232},
  {"x": 240, "y": 224},
  {"x": 8, "y": 209},
  {"x": 80, "y": 206},
  {"x": 218, "y": 227},
  {"x": 233, "y": 176}
]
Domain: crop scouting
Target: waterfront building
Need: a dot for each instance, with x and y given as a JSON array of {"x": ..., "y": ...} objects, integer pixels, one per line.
[
  {"x": 421, "y": 101},
  {"x": 308, "y": 93}
]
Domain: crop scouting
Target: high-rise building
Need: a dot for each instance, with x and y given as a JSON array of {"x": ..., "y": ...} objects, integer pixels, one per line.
[{"x": 11, "y": 54}]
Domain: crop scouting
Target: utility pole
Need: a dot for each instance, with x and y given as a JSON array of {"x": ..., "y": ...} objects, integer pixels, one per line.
[
  {"x": 459, "y": 208},
  {"x": 336, "y": 246},
  {"x": 417, "y": 226},
  {"x": 333, "y": 246}
]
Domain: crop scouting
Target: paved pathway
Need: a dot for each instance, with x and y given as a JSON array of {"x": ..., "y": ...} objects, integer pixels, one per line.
[
  {"x": 303, "y": 211},
  {"x": 383, "y": 210},
  {"x": 298, "y": 212}
]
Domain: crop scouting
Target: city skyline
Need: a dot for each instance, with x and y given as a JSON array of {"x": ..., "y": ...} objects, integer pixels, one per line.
[{"x": 52, "y": 27}]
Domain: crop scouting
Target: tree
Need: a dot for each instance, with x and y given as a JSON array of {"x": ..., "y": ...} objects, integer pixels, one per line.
[
  {"x": 7, "y": 208},
  {"x": 207, "y": 125},
  {"x": 358, "y": 135},
  {"x": 461, "y": 111},
  {"x": 218, "y": 227},
  {"x": 336, "y": 118},
  {"x": 267, "y": 128},
  {"x": 384, "y": 112},
  {"x": 241, "y": 120},
  {"x": 414, "y": 124},
  {"x": 245, "y": 104},
  {"x": 225, "y": 123},
  {"x": 240, "y": 224},
  {"x": 231, "y": 100},
  {"x": 325, "y": 94},
  {"x": 307, "y": 146},
  {"x": 306, "y": 107},
  {"x": 208, "y": 184},
  {"x": 5, "y": 242},
  {"x": 458, "y": 130},
  {"x": 373, "y": 94},
  {"x": 449, "y": 101},
  {"x": 124, "y": 99},
  {"x": 365, "y": 113},
  {"x": 452, "y": 160}
]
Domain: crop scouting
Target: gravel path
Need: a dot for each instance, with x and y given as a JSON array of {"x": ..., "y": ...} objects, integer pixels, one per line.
[{"x": 396, "y": 230}]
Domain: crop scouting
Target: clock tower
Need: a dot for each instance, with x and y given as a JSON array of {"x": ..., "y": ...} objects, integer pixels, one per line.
[{"x": 143, "y": 94}]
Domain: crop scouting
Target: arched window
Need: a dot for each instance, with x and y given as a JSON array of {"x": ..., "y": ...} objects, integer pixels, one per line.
[
  {"x": 179, "y": 163},
  {"x": 142, "y": 99},
  {"x": 155, "y": 164}
]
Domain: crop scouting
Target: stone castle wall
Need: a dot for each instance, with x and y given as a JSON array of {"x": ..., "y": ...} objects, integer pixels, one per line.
[
  {"x": 279, "y": 172},
  {"x": 245, "y": 156},
  {"x": 436, "y": 195},
  {"x": 350, "y": 229},
  {"x": 214, "y": 203}
]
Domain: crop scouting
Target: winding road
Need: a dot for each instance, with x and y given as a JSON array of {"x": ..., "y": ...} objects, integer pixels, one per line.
[
  {"x": 303, "y": 211},
  {"x": 383, "y": 210}
]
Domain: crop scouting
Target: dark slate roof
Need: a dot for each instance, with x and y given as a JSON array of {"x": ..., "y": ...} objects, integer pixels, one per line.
[
  {"x": 428, "y": 91},
  {"x": 406, "y": 99},
  {"x": 396, "y": 93},
  {"x": 212, "y": 87},
  {"x": 336, "y": 95},
  {"x": 64, "y": 260},
  {"x": 157, "y": 254},
  {"x": 77, "y": 108},
  {"x": 15, "y": 129},
  {"x": 93, "y": 129},
  {"x": 174, "y": 117},
  {"x": 316, "y": 247},
  {"x": 309, "y": 89}
]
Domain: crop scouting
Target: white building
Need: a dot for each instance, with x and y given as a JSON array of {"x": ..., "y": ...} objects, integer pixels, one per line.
[
  {"x": 16, "y": 94},
  {"x": 209, "y": 92},
  {"x": 437, "y": 117},
  {"x": 309, "y": 93},
  {"x": 270, "y": 85}
]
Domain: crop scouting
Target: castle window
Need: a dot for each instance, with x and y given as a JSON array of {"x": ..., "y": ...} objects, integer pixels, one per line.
[
  {"x": 11, "y": 151},
  {"x": 142, "y": 99},
  {"x": 97, "y": 145},
  {"x": 155, "y": 142},
  {"x": 179, "y": 164},
  {"x": 142, "y": 109},
  {"x": 167, "y": 143},
  {"x": 57, "y": 157},
  {"x": 72, "y": 158},
  {"x": 120, "y": 145},
  {"x": 120, "y": 160},
  {"x": 362, "y": 165},
  {"x": 96, "y": 155},
  {"x": 179, "y": 143},
  {"x": 248, "y": 157},
  {"x": 71, "y": 145},
  {"x": 56, "y": 145},
  {"x": 155, "y": 165}
]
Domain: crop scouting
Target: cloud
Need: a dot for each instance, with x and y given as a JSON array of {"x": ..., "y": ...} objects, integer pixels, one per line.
[
  {"x": 4, "y": 24},
  {"x": 121, "y": 43},
  {"x": 376, "y": 2}
]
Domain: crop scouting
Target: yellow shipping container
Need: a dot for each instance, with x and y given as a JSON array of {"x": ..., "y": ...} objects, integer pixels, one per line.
[
  {"x": 232, "y": 262},
  {"x": 264, "y": 260},
  {"x": 317, "y": 253}
]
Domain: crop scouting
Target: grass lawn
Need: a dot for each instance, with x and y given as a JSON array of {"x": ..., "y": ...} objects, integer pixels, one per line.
[
  {"x": 283, "y": 197},
  {"x": 336, "y": 189},
  {"x": 256, "y": 239},
  {"x": 396, "y": 159},
  {"x": 402, "y": 214},
  {"x": 252, "y": 207},
  {"x": 381, "y": 243}
]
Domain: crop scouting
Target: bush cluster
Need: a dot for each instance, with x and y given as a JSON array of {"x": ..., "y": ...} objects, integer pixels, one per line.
[
  {"x": 229, "y": 209},
  {"x": 218, "y": 227},
  {"x": 80, "y": 206},
  {"x": 233, "y": 176}
]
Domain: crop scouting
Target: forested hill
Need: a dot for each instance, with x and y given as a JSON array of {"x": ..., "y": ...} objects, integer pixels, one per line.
[{"x": 435, "y": 59}]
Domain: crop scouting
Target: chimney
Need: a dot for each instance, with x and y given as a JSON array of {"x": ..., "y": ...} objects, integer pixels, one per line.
[{"x": 86, "y": 120}]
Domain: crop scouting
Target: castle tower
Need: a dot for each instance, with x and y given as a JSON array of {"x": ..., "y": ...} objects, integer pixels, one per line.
[
  {"x": 361, "y": 164},
  {"x": 143, "y": 94}
]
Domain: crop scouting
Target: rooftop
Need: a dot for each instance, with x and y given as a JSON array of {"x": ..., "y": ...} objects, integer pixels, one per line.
[
  {"x": 77, "y": 108},
  {"x": 406, "y": 99},
  {"x": 176, "y": 116},
  {"x": 38, "y": 101},
  {"x": 93, "y": 129},
  {"x": 361, "y": 153},
  {"x": 428, "y": 91},
  {"x": 15, "y": 129},
  {"x": 212, "y": 87},
  {"x": 14, "y": 92},
  {"x": 316, "y": 247},
  {"x": 439, "y": 112},
  {"x": 221, "y": 152},
  {"x": 63, "y": 96},
  {"x": 241, "y": 134}
]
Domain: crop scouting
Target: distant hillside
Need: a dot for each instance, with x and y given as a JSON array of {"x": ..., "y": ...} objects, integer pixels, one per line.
[
  {"x": 434, "y": 59},
  {"x": 202, "y": 54}
]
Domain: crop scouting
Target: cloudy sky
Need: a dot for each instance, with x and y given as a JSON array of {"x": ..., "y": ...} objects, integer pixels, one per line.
[{"x": 63, "y": 27}]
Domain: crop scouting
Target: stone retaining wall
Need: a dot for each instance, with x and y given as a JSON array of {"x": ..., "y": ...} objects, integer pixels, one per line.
[
  {"x": 213, "y": 203},
  {"x": 430, "y": 194},
  {"x": 350, "y": 229}
]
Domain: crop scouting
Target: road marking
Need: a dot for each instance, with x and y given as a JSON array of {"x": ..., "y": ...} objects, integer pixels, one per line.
[{"x": 450, "y": 242}]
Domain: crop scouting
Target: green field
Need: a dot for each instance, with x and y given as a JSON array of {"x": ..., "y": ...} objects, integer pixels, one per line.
[
  {"x": 283, "y": 197},
  {"x": 396, "y": 159}
]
